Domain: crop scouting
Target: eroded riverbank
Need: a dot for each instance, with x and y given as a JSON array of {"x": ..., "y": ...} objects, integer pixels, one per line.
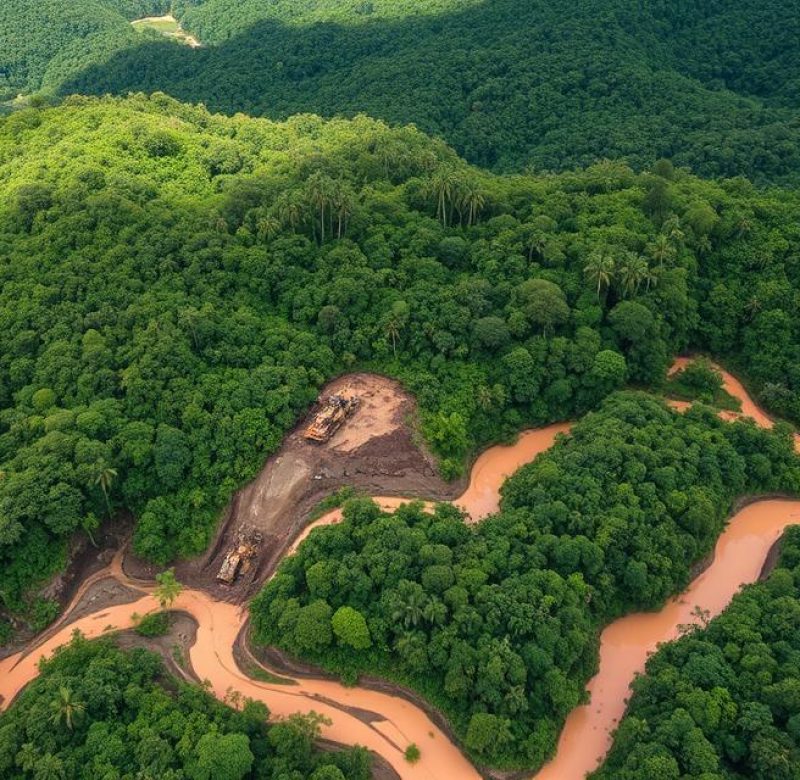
[{"x": 386, "y": 723}]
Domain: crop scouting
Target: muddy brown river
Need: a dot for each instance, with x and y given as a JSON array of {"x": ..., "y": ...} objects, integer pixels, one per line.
[{"x": 393, "y": 722}]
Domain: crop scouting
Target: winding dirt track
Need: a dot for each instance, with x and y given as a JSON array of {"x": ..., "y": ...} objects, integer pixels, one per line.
[{"x": 387, "y": 724}]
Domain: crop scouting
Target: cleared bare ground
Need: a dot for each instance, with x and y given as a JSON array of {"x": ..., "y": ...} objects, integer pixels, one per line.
[{"x": 374, "y": 451}]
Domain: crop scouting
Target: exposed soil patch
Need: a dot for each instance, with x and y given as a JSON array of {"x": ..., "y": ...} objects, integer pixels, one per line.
[
  {"x": 173, "y": 647},
  {"x": 99, "y": 595},
  {"x": 375, "y": 450},
  {"x": 84, "y": 561},
  {"x": 105, "y": 593}
]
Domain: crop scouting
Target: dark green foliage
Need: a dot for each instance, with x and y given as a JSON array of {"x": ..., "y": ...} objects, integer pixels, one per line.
[
  {"x": 43, "y": 613},
  {"x": 509, "y": 83},
  {"x": 497, "y": 623},
  {"x": 722, "y": 702},
  {"x": 700, "y": 381},
  {"x": 42, "y": 42},
  {"x": 96, "y": 711},
  {"x": 154, "y": 624},
  {"x": 167, "y": 316}
]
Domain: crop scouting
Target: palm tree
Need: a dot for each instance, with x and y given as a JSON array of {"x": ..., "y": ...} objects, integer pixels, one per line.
[
  {"x": 342, "y": 207},
  {"x": 472, "y": 200},
  {"x": 90, "y": 522},
  {"x": 267, "y": 227},
  {"x": 434, "y": 612},
  {"x": 168, "y": 588},
  {"x": 703, "y": 245},
  {"x": 634, "y": 271},
  {"x": 409, "y": 610},
  {"x": 753, "y": 306},
  {"x": 651, "y": 278},
  {"x": 388, "y": 153},
  {"x": 661, "y": 249},
  {"x": 600, "y": 269},
  {"x": 395, "y": 322},
  {"x": 320, "y": 189},
  {"x": 536, "y": 241},
  {"x": 516, "y": 700},
  {"x": 104, "y": 478},
  {"x": 484, "y": 397},
  {"x": 673, "y": 231},
  {"x": 290, "y": 210},
  {"x": 442, "y": 185},
  {"x": 66, "y": 708}
]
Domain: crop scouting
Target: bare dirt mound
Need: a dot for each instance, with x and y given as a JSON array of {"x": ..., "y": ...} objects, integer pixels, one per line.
[{"x": 375, "y": 450}]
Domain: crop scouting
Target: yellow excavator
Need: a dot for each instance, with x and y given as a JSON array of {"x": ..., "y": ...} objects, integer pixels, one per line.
[
  {"x": 335, "y": 410},
  {"x": 240, "y": 556}
]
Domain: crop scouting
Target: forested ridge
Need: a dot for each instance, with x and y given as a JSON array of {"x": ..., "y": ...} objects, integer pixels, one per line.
[
  {"x": 511, "y": 84},
  {"x": 722, "y": 702},
  {"x": 497, "y": 624},
  {"x": 98, "y": 711},
  {"x": 44, "y": 41},
  {"x": 176, "y": 286}
]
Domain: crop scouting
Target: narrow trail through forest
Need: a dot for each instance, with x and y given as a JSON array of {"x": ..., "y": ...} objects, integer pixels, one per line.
[{"x": 387, "y": 724}]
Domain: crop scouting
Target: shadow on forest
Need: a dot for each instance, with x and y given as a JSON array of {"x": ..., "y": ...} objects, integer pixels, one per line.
[
  {"x": 389, "y": 68},
  {"x": 505, "y": 83}
]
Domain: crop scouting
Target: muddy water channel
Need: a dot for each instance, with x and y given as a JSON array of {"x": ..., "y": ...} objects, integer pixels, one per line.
[{"x": 388, "y": 724}]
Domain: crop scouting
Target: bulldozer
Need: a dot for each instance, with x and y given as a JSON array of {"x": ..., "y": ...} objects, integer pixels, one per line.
[
  {"x": 335, "y": 410},
  {"x": 240, "y": 556}
]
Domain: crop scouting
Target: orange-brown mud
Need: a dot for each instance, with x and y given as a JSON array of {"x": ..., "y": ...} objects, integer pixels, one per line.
[
  {"x": 741, "y": 552},
  {"x": 387, "y": 723},
  {"x": 626, "y": 644},
  {"x": 375, "y": 451}
]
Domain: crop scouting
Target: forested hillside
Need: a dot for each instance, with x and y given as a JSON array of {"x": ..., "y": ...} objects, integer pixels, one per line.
[
  {"x": 98, "y": 712},
  {"x": 497, "y": 624},
  {"x": 176, "y": 286},
  {"x": 42, "y": 42},
  {"x": 722, "y": 702},
  {"x": 511, "y": 84}
]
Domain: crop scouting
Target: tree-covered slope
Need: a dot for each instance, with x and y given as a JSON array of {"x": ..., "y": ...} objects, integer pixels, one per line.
[
  {"x": 96, "y": 711},
  {"x": 510, "y": 83},
  {"x": 44, "y": 41},
  {"x": 722, "y": 703},
  {"x": 176, "y": 286},
  {"x": 548, "y": 84},
  {"x": 497, "y": 624}
]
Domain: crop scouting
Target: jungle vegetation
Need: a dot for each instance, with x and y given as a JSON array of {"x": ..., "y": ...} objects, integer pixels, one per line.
[
  {"x": 176, "y": 286},
  {"x": 98, "y": 711},
  {"x": 497, "y": 624},
  {"x": 510, "y": 84},
  {"x": 721, "y": 703}
]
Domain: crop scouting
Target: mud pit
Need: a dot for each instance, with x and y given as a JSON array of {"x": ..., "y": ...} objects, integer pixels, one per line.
[{"x": 374, "y": 451}]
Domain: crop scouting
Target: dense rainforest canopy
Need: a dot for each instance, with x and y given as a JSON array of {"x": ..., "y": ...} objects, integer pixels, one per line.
[
  {"x": 96, "y": 711},
  {"x": 176, "y": 286},
  {"x": 543, "y": 84},
  {"x": 722, "y": 703},
  {"x": 43, "y": 41},
  {"x": 497, "y": 623}
]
